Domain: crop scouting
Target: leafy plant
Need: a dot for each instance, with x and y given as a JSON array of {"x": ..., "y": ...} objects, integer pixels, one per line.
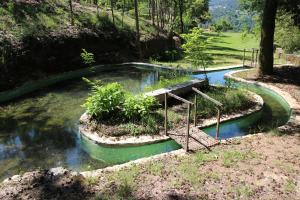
[
  {"x": 87, "y": 58},
  {"x": 287, "y": 35},
  {"x": 105, "y": 101},
  {"x": 137, "y": 107},
  {"x": 111, "y": 100}
]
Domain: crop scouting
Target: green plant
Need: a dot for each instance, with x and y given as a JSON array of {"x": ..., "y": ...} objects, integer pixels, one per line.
[
  {"x": 87, "y": 58},
  {"x": 287, "y": 35},
  {"x": 105, "y": 101},
  {"x": 137, "y": 107},
  {"x": 232, "y": 100}
]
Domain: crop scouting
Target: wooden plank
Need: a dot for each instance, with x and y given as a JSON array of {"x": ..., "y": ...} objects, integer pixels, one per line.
[
  {"x": 180, "y": 99},
  {"x": 208, "y": 97},
  {"x": 197, "y": 138}
]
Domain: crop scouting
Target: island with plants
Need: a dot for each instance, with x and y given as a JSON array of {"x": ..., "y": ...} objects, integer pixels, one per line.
[{"x": 116, "y": 117}]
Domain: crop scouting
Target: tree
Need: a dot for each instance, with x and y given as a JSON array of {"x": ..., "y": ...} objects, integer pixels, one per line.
[
  {"x": 266, "y": 57},
  {"x": 138, "y": 43},
  {"x": 181, "y": 3},
  {"x": 71, "y": 11},
  {"x": 287, "y": 34},
  {"x": 112, "y": 10},
  {"x": 195, "y": 48}
]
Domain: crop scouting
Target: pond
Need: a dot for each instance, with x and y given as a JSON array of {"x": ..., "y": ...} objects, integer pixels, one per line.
[{"x": 40, "y": 130}]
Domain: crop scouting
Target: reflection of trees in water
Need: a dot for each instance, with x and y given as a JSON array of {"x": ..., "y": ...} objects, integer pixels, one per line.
[{"x": 39, "y": 130}]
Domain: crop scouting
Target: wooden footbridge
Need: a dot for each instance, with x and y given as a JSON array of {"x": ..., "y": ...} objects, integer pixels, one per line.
[{"x": 191, "y": 137}]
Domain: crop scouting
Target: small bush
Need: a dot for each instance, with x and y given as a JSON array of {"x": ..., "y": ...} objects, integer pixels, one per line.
[
  {"x": 87, "y": 58},
  {"x": 105, "y": 101},
  {"x": 137, "y": 107},
  {"x": 111, "y": 100}
]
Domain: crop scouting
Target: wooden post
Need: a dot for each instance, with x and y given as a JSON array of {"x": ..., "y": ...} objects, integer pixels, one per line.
[
  {"x": 256, "y": 58},
  {"x": 218, "y": 124},
  {"x": 252, "y": 59},
  {"x": 195, "y": 114},
  {"x": 188, "y": 128},
  {"x": 244, "y": 57},
  {"x": 166, "y": 114}
]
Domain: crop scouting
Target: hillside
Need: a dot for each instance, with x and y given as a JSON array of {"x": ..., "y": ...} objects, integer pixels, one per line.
[
  {"x": 37, "y": 38},
  {"x": 231, "y": 9}
]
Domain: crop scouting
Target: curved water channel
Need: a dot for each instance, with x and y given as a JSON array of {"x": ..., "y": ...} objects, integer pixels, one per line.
[{"x": 40, "y": 130}]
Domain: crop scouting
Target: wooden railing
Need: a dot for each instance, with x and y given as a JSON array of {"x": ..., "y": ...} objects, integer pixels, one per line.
[
  {"x": 254, "y": 57},
  {"x": 218, "y": 107},
  {"x": 189, "y": 103},
  {"x": 188, "y": 116}
]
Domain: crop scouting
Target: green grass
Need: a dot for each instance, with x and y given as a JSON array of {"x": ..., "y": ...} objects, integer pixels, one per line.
[
  {"x": 225, "y": 48},
  {"x": 233, "y": 100}
]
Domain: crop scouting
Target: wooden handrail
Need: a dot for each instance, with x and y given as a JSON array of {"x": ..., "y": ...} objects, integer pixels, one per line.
[
  {"x": 188, "y": 116},
  {"x": 208, "y": 97},
  {"x": 218, "y": 106},
  {"x": 180, "y": 99}
]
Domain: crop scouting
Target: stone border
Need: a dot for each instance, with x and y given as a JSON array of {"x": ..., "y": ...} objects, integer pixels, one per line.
[
  {"x": 292, "y": 102},
  {"x": 124, "y": 141},
  {"x": 196, "y": 71},
  {"x": 32, "y": 86},
  {"x": 97, "y": 172}
]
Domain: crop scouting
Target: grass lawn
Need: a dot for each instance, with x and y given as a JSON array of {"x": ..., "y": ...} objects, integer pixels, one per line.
[{"x": 226, "y": 49}]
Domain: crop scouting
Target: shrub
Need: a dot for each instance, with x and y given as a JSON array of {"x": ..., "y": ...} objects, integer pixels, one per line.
[
  {"x": 105, "y": 101},
  {"x": 138, "y": 107},
  {"x": 287, "y": 35},
  {"x": 87, "y": 58},
  {"x": 232, "y": 100}
]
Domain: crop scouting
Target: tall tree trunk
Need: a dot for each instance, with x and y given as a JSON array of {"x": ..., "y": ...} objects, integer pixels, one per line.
[
  {"x": 181, "y": 15},
  {"x": 137, "y": 25},
  {"x": 153, "y": 12},
  {"x": 266, "y": 56},
  {"x": 112, "y": 10},
  {"x": 71, "y": 12}
]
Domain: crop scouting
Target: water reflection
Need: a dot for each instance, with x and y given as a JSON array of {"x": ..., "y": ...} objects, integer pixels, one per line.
[{"x": 40, "y": 130}]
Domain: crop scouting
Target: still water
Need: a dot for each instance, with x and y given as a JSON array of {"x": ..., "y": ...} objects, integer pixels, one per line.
[{"x": 40, "y": 130}]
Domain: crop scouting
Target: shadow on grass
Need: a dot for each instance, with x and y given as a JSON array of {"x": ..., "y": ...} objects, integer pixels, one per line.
[{"x": 220, "y": 48}]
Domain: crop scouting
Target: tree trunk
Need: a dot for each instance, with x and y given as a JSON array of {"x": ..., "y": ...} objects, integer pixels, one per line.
[
  {"x": 112, "y": 10},
  {"x": 266, "y": 56},
  {"x": 181, "y": 15},
  {"x": 71, "y": 12},
  {"x": 138, "y": 43},
  {"x": 153, "y": 12}
]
